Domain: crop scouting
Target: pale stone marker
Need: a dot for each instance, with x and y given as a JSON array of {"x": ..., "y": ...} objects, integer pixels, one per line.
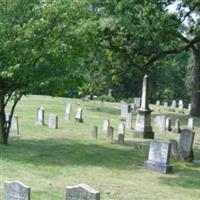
[
  {"x": 143, "y": 128},
  {"x": 181, "y": 106},
  {"x": 177, "y": 128},
  {"x": 161, "y": 123},
  {"x": 185, "y": 144},
  {"x": 79, "y": 115},
  {"x": 159, "y": 155},
  {"x": 173, "y": 105},
  {"x": 53, "y": 121},
  {"x": 81, "y": 192},
  {"x": 121, "y": 133},
  {"x": 15, "y": 190},
  {"x": 68, "y": 108},
  {"x": 137, "y": 102},
  {"x": 14, "y": 128},
  {"x": 129, "y": 121},
  {"x": 190, "y": 123},
  {"x": 168, "y": 124},
  {"x": 110, "y": 92},
  {"x": 157, "y": 103},
  {"x": 40, "y": 117},
  {"x": 174, "y": 148},
  {"x": 125, "y": 109},
  {"x": 106, "y": 124},
  {"x": 94, "y": 132},
  {"x": 109, "y": 134},
  {"x": 166, "y": 106},
  {"x": 189, "y": 107}
]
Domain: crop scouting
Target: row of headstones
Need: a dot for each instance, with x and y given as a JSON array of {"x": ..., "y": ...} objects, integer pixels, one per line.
[
  {"x": 53, "y": 119},
  {"x": 173, "y": 105},
  {"x": 109, "y": 131},
  {"x": 164, "y": 123},
  {"x": 160, "y": 151},
  {"x": 16, "y": 190}
]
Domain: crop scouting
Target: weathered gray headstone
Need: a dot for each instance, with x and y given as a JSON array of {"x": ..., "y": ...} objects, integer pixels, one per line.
[
  {"x": 68, "y": 108},
  {"x": 106, "y": 124},
  {"x": 180, "y": 106},
  {"x": 161, "y": 123},
  {"x": 185, "y": 144},
  {"x": 109, "y": 134},
  {"x": 53, "y": 121},
  {"x": 137, "y": 102},
  {"x": 81, "y": 192},
  {"x": 173, "y": 105},
  {"x": 168, "y": 124},
  {"x": 125, "y": 109},
  {"x": 15, "y": 190},
  {"x": 94, "y": 132},
  {"x": 110, "y": 92},
  {"x": 159, "y": 155},
  {"x": 121, "y": 133},
  {"x": 143, "y": 128},
  {"x": 174, "y": 149},
  {"x": 166, "y": 106},
  {"x": 14, "y": 128},
  {"x": 177, "y": 127},
  {"x": 158, "y": 103},
  {"x": 189, "y": 107},
  {"x": 79, "y": 115},
  {"x": 191, "y": 123},
  {"x": 40, "y": 117},
  {"x": 129, "y": 121}
]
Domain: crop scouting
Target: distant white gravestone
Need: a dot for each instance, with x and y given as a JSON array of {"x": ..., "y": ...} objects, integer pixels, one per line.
[
  {"x": 79, "y": 115},
  {"x": 15, "y": 190},
  {"x": 53, "y": 121},
  {"x": 68, "y": 108},
  {"x": 40, "y": 117},
  {"x": 106, "y": 124},
  {"x": 81, "y": 192},
  {"x": 14, "y": 128}
]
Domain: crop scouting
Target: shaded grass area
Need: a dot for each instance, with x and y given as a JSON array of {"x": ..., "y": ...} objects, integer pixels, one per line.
[{"x": 48, "y": 160}]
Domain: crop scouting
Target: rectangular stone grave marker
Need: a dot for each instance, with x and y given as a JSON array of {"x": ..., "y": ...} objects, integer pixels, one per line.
[
  {"x": 94, "y": 132},
  {"x": 129, "y": 121},
  {"x": 109, "y": 134},
  {"x": 189, "y": 107},
  {"x": 137, "y": 102},
  {"x": 15, "y": 190},
  {"x": 79, "y": 115},
  {"x": 177, "y": 127},
  {"x": 68, "y": 108},
  {"x": 159, "y": 155},
  {"x": 106, "y": 124},
  {"x": 53, "y": 121},
  {"x": 40, "y": 117},
  {"x": 121, "y": 133},
  {"x": 168, "y": 124},
  {"x": 125, "y": 109},
  {"x": 180, "y": 106},
  {"x": 185, "y": 144},
  {"x": 191, "y": 123},
  {"x": 14, "y": 128},
  {"x": 81, "y": 192},
  {"x": 161, "y": 123},
  {"x": 157, "y": 103},
  {"x": 173, "y": 105},
  {"x": 174, "y": 149}
]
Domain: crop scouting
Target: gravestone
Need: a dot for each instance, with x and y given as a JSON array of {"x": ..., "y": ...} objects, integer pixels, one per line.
[
  {"x": 68, "y": 108},
  {"x": 133, "y": 107},
  {"x": 161, "y": 123},
  {"x": 121, "y": 133},
  {"x": 180, "y": 106},
  {"x": 109, "y": 134},
  {"x": 190, "y": 123},
  {"x": 185, "y": 145},
  {"x": 125, "y": 109},
  {"x": 166, "y": 106},
  {"x": 143, "y": 128},
  {"x": 79, "y": 115},
  {"x": 14, "y": 128},
  {"x": 168, "y": 124},
  {"x": 159, "y": 155},
  {"x": 81, "y": 192},
  {"x": 177, "y": 127},
  {"x": 173, "y": 105},
  {"x": 129, "y": 121},
  {"x": 137, "y": 102},
  {"x": 94, "y": 132},
  {"x": 174, "y": 149},
  {"x": 15, "y": 190},
  {"x": 110, "y": 92},
  {"x": 157, "y": 103},
  {"x": 189, "y": 107},
  {"x": 106, "y": 124},
  {"x": 53, "y": 121},
  {"x": 40, "y": 117}
]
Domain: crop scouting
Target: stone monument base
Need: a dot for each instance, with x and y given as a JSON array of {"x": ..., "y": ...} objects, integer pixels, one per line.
[{"x": 158, "y": 167}]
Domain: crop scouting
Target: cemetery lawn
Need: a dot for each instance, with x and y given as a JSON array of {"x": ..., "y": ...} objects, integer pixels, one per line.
[{"x": 47, "y": 160}]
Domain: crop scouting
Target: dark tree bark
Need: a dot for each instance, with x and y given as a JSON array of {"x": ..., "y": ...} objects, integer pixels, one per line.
[{"x": 195, "y": 83}]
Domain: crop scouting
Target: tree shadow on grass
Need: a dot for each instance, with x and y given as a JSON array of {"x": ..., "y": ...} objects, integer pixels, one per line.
[
  {"x": 65, "y": 152},
  {"x": 185, "y": 175}
]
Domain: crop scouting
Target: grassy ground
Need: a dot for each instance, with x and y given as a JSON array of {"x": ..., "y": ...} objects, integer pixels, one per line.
[{"x": 48, "y": 160}]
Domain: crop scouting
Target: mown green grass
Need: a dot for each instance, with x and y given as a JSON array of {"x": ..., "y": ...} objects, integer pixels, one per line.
[{"x": 48, "y": 160}]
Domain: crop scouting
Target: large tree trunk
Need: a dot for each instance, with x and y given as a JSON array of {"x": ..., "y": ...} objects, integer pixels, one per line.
[
  {"x": 3, "y": 124},
  {"x": 195, "y": 83}
]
